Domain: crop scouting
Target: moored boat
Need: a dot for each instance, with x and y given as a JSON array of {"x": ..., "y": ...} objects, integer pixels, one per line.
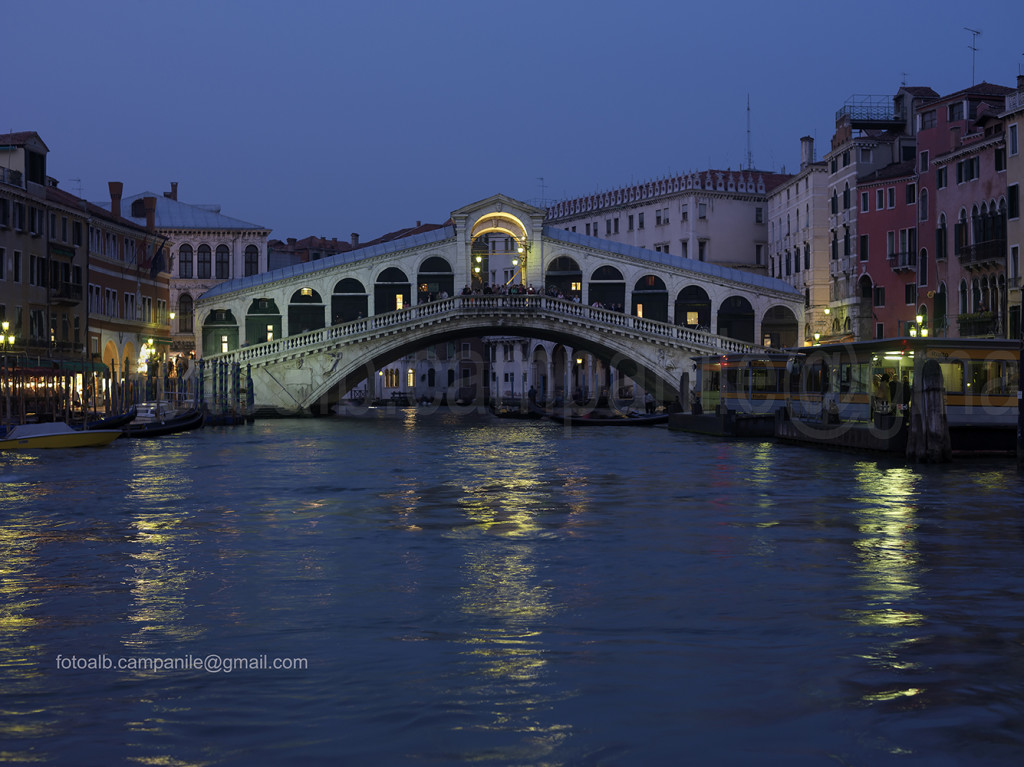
[
  {"x": 56, "y": 434},
  {"x": 187, "y": 421}
]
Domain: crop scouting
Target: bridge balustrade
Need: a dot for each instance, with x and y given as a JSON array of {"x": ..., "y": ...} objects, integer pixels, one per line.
[{"x": 486, "y": 305}]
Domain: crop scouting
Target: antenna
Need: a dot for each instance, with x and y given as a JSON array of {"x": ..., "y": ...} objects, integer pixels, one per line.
[
  {"x": 543, "y": 196},
  {"x": 974, "y": 48},
  {"x": 750, "y": 160}
]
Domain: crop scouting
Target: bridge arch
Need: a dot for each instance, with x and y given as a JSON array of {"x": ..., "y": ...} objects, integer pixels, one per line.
[
  {"x": 220, "y": 332},
  {"x": 650, "y": 298},
  {"x": 780, "y": 327},
  {"x": 349, "y": 301},
  {"x": 434, "y": 279},
  {"x": 693, "y": 307},
  {"x": 263, "y": 321},
  {"x": 736, "y": 318},
  {"x": 391, "y": 291},
  {"x": 564, "y": 276},
  {"x": 305, "y": 311},
  {"x": 607, "y": 287}
]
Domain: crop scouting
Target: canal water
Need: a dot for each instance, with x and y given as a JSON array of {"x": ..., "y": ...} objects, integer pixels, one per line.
[{"x": 440, "y": 590}]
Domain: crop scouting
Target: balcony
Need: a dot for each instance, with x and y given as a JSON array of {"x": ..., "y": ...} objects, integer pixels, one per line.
[
  {"x": 983, "y": 255},
  {"x": 66, "y": 294},
  {"x": 978, "y": 324},
  {"x": 902, "y": 262}
]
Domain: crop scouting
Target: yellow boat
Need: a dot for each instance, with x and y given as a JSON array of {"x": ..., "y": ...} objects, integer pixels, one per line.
[{"x": 56, "y": 434}]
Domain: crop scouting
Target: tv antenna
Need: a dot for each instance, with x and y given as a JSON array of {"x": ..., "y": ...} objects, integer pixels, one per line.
[
  {"x": 974, "y": 48},
  {"x": 543, "y": 196},
  {"x": 750, "y": 157}
]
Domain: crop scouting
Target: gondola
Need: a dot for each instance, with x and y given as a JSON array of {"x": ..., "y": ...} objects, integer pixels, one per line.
[
  {"x": 192, "y": 419},
  {"x": 631, "y": 418},
  {"x": 118, "y": 421}
]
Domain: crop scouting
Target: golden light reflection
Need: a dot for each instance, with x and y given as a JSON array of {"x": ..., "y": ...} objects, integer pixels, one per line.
[
  {"x": 161, "y": 573},
  {"x": 889, "y": 567}
]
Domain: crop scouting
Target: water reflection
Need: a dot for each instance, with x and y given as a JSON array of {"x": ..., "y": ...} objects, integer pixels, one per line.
[{"x": 889, "y": 558}]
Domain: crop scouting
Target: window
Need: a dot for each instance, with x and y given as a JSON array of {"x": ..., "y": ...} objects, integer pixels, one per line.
[
  {"x": 923, "y": 166},
  {"x": 879, "y": 199},
  {"x": 684, "y": 213},
  {"x": 910, "y": 293},
  {"x": 685, "y": 248},
  {"x": 185, "y": 313},
  {"x": 863, "y": 247},
  {"x": 76, "y": 233},
  {"x": 846, "y": 158},
  {"x": 203, "y": 262},
  {"x": 588, "y": 229},
  {"x": 615, "y": 225},
  {"x": 629, "y": 223},
  {"x": 928, "y": 119},
  {"x": 607, "y": 226},
  {"x": 834, "y": 165},
  {"x": 185, "y": 261},
  {"x": 702, "y": 210},
  {"x": 865, "y": 202},
  {"x": 662, "y": 248},
  {"x": 967, "y": 170},
  {"x": 891, "y": 196},
  {"x": 878, "y": 296},
  {"x": 639, "y": 220},
  {"x": 955, "y": 111},
  {"x": 1011, "y": 141},
  {"x": 922, "y": 267},
  {"x": 702, "y": 250},
  {"x": 940, "y": 178},
  {"x": 846, "y": 197},
  {"x": 865, "y": 155},
  {"x": 835, "y": 202},
  {"x": 911, "y": 194},
  {"x": 1013, "y": 201},
  {"x": 252, "y": 260},
  {"x": 1000, "y": 158},
  {"x": 661, "y": 217},
  {"x": 922, "y": 207}
]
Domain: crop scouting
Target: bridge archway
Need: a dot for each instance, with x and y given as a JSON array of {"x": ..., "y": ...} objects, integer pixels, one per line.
[
  {"x": 780, "y": 328},
  {"x": 220, "y": 332},
  {"x": 263, "y": 321},
  {"x": 391, "y": 291},
  {"x": 650, "y": 298},
  {"x": 693, "y": 307},
  {"x": 305, "y": 311},
  {"x": 435, "y": 279},
  {"x": 349, "y": 301},
  {"x": 607, "y": 287},
  {"x": 736, "y": 319},
  {"x": 564, "y": 277}
]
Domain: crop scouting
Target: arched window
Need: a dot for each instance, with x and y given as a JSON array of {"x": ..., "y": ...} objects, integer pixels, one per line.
[
  {"x": 185, "y": 313},
  {"x": 203, "y": 262},
  {"x": 252, "y": 260},
  {"x": 922, "y": 206},
  {"x": 223, "y": 262},
  {"x": 185, "y": 261}
]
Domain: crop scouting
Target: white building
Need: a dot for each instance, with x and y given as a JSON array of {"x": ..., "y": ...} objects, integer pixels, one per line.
[
  {"x": 206, "y": 249},
  {"x": 798, "y": 229}
]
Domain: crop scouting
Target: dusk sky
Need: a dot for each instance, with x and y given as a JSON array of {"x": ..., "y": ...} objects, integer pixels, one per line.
[{"x": 327, "y": 118}]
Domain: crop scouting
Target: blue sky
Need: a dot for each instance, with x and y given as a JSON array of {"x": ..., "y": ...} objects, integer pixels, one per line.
[{"x": 327, "y": 118}]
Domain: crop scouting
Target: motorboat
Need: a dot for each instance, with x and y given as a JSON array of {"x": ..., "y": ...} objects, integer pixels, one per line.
[{"x": 55, "y": 434}]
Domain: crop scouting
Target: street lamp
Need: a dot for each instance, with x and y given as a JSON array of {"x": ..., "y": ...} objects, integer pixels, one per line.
[
  {"x": 8, "y": 340},
  {"x": 918, "y": 328}
]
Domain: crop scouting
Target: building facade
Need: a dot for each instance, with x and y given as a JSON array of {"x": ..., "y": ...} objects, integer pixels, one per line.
[
  {"x": 206, "y": 248},
  {"x": 1013, "y": 117},
  {"x": 872, "y": 132},
  {"x": 716, "y": 216},
  {"x": 798, "y": 239},
  {"x": 81, "y": 287}
]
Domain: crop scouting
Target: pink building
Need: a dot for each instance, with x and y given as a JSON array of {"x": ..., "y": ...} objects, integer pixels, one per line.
[{"x": 961, "y": 163}]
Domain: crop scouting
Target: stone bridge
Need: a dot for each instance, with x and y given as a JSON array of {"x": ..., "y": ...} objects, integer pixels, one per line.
[
  {"x": 315, "y": 369},
  {"x": 310, "y": 332}
]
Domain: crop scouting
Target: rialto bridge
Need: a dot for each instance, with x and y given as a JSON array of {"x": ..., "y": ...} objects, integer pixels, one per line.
[{"x": 311, "y": 332}]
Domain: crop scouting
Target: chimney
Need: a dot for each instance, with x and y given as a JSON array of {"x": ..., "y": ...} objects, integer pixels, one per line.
[
  {"x": 1020, "y": 82},
  {"x": 355, "y": 238},
  {"x": 174, "y": 190},
  {"x": 291, "y": 241},
  {"x": 806, "y": 151},
  {"x": 116, "y": 190},
  {"x": 150, "y": 203}
]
